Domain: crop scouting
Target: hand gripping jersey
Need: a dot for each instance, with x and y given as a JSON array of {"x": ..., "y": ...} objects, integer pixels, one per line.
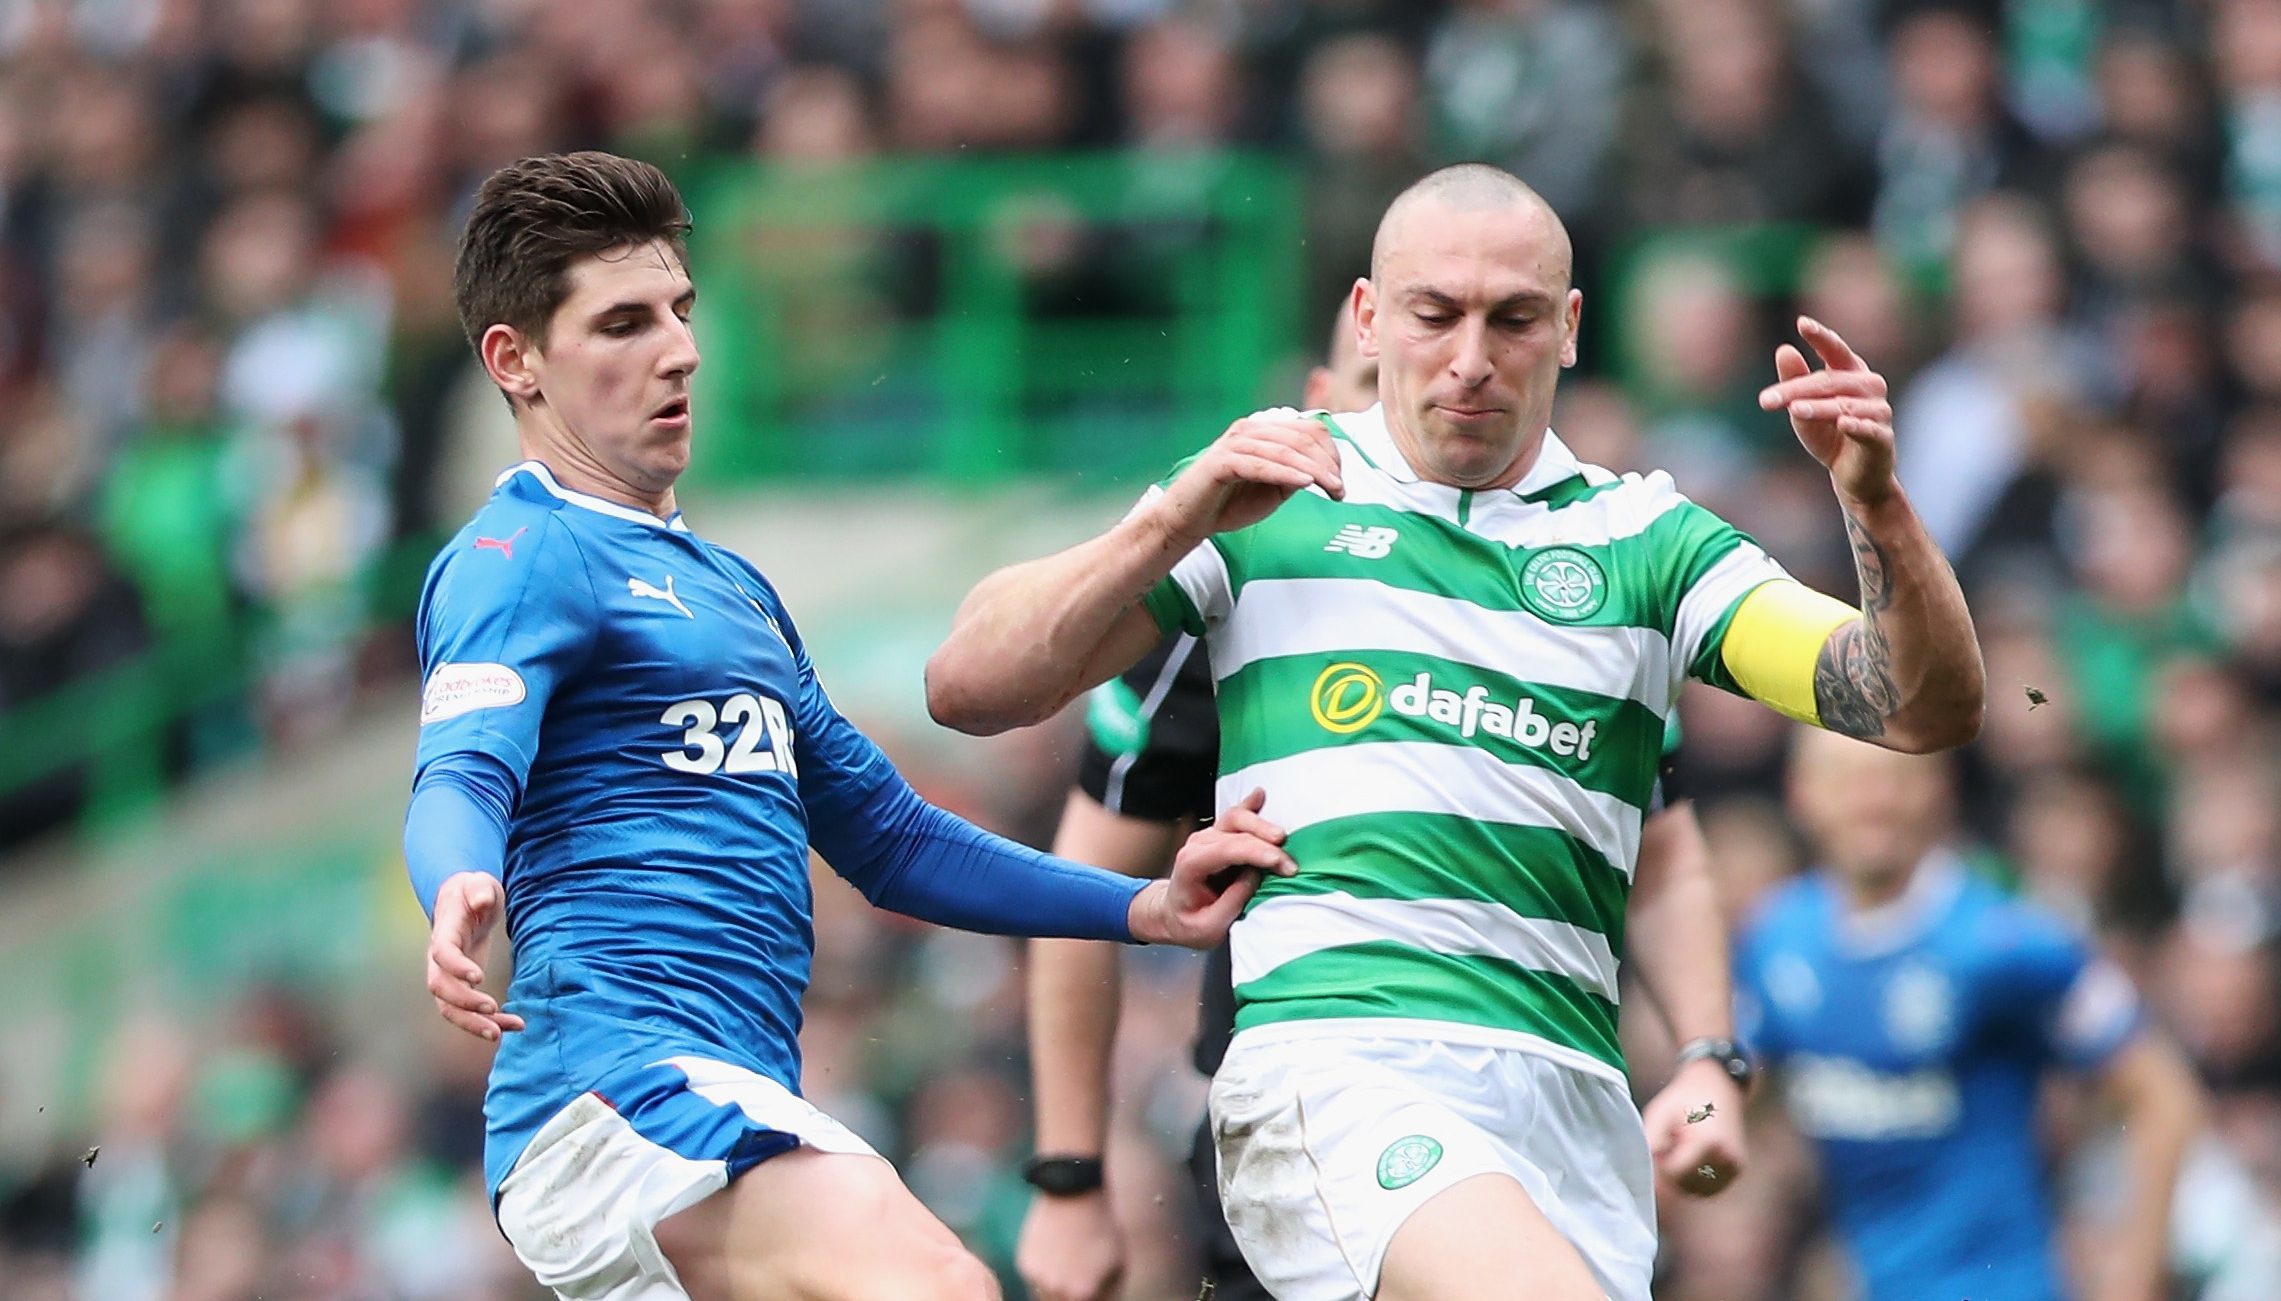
[
  {"x": 1910, "y": 1044},
  {"x": 1455, "y": 701}
]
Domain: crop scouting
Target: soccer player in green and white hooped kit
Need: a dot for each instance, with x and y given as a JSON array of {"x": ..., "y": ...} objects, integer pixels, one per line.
[{"x": 1446, "y": 650}]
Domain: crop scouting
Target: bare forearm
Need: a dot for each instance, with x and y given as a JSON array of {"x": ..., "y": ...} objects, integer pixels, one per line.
[
  {"x": 1907, "y": 674},
  {"x": 2160, "y": 1115},
  {"x": 1678, "y": 942},
  {"x": 1029, "y": 638},
  {"x": 1075, "y": 986}
]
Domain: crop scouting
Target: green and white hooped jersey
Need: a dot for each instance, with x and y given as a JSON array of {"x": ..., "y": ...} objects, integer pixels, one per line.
[{"x": 1455, "y": 701}]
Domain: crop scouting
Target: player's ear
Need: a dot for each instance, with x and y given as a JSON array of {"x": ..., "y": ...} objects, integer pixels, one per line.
[
  {"x": 1364, "y": 306},
  {"x": 510, "y": 359},
  {"x": 1575, "y": 313}
]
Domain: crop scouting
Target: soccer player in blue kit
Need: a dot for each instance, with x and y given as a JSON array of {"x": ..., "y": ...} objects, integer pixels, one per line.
[
  {"x": 1910, "y": 1012},
  {"x": 625, "y": 753}
]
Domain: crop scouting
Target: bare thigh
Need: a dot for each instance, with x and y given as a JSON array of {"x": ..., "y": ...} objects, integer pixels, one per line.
[
  {"x": 820, "y": 1226},
  {"x": 1482, "y": 1239}
]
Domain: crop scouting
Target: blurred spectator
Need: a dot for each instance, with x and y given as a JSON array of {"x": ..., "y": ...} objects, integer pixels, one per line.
[
  {"x": 2152, "y": 94},
  {"x": 1692, "y": 340},
  {"x": 167, "y": 506},
  {"x": 65, "y": 618},
  {"x": 1848, "y": 284},
  {"x": 1948, "y": 139},
  {"x": 1978, "y": 417},
  {"x": 2246, "y": 51},
  {"x": 1733, "y": 135},
  {"x": 1356, "y": 104},
  {"x": 1534, "y": 86}
]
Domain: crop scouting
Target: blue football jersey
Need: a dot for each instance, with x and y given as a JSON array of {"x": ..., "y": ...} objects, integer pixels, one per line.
[
  {"x": 675, "y": 758},
  {"x": 1909, "y": 1043}
]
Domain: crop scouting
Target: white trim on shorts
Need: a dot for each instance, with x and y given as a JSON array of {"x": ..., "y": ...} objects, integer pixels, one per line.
[{"x": 582, "y": 1205}]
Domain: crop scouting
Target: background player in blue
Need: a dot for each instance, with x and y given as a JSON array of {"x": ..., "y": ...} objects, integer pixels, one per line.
[
  {"x": 1154, "y": 753},
  {"x": 624, "y": 750},
  {"x": 1911, "y": 1011}
]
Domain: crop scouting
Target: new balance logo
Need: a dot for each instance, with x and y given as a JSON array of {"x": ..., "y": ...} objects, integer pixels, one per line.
[
  {"x": 504, "y": 546},
  {"x": 665, "y": 593},
  {"x": 1371, "y": 543}
]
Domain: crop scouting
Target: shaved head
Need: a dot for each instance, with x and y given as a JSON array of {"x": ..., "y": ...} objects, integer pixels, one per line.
[
  {"x": 1471, "y": 313},
  {"x": 1469, "y": 187}
]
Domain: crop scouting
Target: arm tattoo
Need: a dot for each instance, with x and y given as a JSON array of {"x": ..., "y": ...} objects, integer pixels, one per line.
[{"x": 1854, "y": 692}]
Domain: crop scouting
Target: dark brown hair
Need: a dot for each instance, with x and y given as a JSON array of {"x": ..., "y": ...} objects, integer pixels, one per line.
[{"x": 533, "y": 218}]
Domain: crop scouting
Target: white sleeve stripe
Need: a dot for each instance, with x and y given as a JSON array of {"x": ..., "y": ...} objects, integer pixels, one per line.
[{"x": 1734, "y": 576}]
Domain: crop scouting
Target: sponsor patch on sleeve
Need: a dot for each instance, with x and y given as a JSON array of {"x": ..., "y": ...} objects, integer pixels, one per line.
[{"x": 455, "y": 689}]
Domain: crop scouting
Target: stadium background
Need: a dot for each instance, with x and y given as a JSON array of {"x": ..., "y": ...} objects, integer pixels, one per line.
[{"x": 975, "y": 270}]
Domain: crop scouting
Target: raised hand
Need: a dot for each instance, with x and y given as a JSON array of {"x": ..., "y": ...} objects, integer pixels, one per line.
[
  {"x": 1839, "y": 413},
  {"x": 1213, "y": 877},
  {"x": 468, "y": 907},
  {"x": 1250, "y": 470}
]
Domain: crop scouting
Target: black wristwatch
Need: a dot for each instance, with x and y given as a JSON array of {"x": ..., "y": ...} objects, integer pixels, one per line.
[
  {"x": 1726, "y": 1052},
  {"x": 1063, "y": 1176}
]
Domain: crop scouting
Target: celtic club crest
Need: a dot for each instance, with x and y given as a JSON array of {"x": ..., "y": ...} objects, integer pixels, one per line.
[
  {"x": 1564, "y": 584},
  {"x": 1406, "y": 1160}
]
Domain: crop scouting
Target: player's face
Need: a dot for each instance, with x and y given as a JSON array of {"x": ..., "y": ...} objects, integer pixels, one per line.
[
  {"x": 1470, "y": 319},
  {"x": 1870, "y": 812},
  {"x": 615, "y": 368}
]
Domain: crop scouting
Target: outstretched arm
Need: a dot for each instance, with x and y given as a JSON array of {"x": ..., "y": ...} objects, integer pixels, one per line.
[
  {"x": 1032, "y": 636},
  {"x": 1906, "y": 674},
  {"x": 910, "y": 857}
]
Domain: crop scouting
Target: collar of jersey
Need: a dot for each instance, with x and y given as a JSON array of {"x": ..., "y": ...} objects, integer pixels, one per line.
[
  {"x": 545, "y": 478},
  {"x": 1907, "y": 917},
  {"x": 1367, "y": 431}
]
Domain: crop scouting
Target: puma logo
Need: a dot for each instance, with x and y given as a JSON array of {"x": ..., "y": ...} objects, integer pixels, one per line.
[
  {"x": 665, "y": 593},
  {"x": 504, "y": 546}
]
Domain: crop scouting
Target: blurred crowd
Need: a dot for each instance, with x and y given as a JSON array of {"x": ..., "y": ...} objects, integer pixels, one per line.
[{"x": 233, "y": 393}]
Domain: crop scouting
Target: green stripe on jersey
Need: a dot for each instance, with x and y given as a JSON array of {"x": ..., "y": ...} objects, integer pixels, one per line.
[
  {"x": 1393, "y": 980},
  {"x": 1570, "y": 491},
  {"x": 1168, "y": 604},
  {"x": 1288, "y": 704},
  {"x": 1535, "y": 871},
  {"x": 1710, "y": 664}
]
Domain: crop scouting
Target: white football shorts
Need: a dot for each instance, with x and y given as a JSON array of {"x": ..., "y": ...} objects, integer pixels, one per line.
[
  {"x": 582, "y": 1205},
  {"x": 1329, "y": 1139}
]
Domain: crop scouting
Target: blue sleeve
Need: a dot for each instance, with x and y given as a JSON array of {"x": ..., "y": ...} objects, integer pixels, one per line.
[
  {"x": 499, "y": 630},
  {"x": 457, "y": 822},
  {"x": 908, "y": 856},
  {"x": 2048, "y": 982}
]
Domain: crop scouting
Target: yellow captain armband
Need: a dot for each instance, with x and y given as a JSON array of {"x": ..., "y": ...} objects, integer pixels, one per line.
[{"x": 1774, "y": 640}]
